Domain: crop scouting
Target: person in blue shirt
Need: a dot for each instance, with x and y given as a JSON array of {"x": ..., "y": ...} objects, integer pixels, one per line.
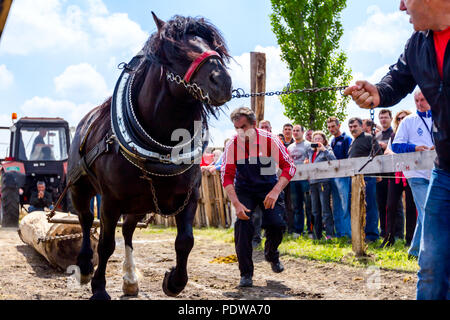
[{"x": 340, "y": 187}]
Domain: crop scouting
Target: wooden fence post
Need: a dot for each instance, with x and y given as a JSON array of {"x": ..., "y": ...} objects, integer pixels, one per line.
[
  {"x": 258, "y": 83},
  {"x": 358, "y": 215}
]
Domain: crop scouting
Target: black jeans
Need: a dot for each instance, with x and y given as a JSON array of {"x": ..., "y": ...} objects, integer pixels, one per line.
[
  {"x": 382, "y": 198},
  {"x": 272, "y": 222},
  {"x": 321, "y": 208},
  {"x": 395, "y": 191}
]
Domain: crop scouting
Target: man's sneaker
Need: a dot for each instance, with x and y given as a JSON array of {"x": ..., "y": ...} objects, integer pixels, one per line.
[
  {"x": 277, "y": 267},
  {"x": 246, "y": 281},
  {"x": 295, "y": 235}
]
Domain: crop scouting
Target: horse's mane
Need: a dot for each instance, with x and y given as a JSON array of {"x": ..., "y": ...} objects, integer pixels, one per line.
[{"x": 168, "y": 45}]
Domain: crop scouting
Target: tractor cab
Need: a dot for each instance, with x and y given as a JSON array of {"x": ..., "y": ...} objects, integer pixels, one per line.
[{"x": 38, "y": 151}]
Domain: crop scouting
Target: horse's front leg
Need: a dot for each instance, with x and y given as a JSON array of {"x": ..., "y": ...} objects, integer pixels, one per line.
[
  {"x": 109, "y": 216},
  {"x": 176, "y": 279},
  {"x": 130, "y": 285}
]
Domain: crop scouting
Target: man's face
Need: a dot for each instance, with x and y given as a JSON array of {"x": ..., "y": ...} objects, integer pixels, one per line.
[
  {"x": 41, "y": 187},
  {"x": 297, "y": 132},
  {"x": 385, "y": 120},
  {"x": 43, "y": 133},
  {"x": 308, "y": 135},
  {"x": 355, "y": 129},
  {"x": 287, "y": 132},
  {"x": 333, "y": 128},
  {"x": 265, "y": 126},
  {"x": 244, "y": 128},
  {"x": 422, "y": 13},
  {"x": 421, "y": 103}
]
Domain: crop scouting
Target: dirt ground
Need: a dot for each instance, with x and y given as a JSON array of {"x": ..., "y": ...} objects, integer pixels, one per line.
[{"x": 26, "y": 275}]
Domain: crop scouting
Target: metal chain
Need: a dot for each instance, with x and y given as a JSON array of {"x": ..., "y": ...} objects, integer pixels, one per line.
[
  {"x": 65, "y": 237},
  {"x": 152, "y": 173},
  {"x": 240, "y": 93},
  {"x": 155, "y": 200},
  {"x": 130, "y": 100},
  {"x": 193, "y": 88}
]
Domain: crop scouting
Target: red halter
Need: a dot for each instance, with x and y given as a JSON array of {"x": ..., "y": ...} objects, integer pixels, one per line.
[{"x": 198, "y": 63}]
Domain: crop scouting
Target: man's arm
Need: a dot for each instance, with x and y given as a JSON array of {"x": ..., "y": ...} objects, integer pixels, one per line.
[
  {"x": 288, "y": 169},
  {"x": 397, "y": 83},
  {"x": 227, "y": 174}
]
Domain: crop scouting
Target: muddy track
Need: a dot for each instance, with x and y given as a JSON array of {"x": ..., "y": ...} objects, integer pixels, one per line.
[{"x": 25, "y": 275}]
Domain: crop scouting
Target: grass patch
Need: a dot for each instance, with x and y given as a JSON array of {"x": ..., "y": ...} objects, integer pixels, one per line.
[
  {"x": 340, "y": 251},
  {"x": 337, "y": 250}
]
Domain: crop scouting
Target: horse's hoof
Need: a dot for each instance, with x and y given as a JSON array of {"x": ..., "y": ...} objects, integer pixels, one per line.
[
  {"x": 101, "y": 295},
  {"x": 85, "y": 278},
  {"x": 171, "y": 292},
  {"x": 130, "y": 289}
]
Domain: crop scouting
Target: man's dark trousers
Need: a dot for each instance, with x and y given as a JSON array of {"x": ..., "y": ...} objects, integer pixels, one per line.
[{"x": 272, "y": 222}]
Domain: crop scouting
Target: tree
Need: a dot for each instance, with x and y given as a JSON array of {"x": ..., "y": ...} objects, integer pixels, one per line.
[{"x": 308, "y": 32}]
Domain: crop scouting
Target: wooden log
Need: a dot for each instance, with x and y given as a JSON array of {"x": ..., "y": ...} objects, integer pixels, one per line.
[
  {"x": 34, "y": 228},
  {"x": 258, "y": 83},
  {"x": 358, "y": 216}
]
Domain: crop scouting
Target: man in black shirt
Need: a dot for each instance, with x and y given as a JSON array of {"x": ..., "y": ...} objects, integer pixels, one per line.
[
  {"x": 40, "y": 199},
  {"x": 361, "y": 147}
]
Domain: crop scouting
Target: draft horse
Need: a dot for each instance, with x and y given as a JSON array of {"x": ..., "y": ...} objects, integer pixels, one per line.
[{"x": 128, "y": 149}]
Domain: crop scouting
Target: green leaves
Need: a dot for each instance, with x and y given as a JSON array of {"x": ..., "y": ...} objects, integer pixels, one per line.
[{"x": 308, "y": 33}]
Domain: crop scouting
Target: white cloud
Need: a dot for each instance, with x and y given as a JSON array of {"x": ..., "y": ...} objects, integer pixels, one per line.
[
  {"x": 81, "y": 83},
  {"x": 382, "y": 33},
  {"x": 6, "y": 77},
  {"x": 43, "y": 26},
  {"x": 48, "y": 107}
]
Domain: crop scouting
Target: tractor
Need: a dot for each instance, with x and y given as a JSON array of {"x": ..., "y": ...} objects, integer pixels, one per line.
[{"x": 38, "y": 151}]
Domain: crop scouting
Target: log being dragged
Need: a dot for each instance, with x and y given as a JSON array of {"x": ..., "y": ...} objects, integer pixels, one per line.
[{"x": 36, "y": 231}]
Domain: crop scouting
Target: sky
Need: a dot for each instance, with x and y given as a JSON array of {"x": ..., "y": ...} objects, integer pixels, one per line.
[{"x": 58, "y": 58}]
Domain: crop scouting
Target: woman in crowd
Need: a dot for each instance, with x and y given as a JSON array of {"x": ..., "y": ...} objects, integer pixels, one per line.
[
  {"x": 321, "y": 188},
  {"x": 395, "y": 191}
]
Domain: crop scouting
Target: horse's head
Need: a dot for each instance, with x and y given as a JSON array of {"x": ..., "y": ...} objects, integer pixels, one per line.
[{"x": 196, "y": 51}]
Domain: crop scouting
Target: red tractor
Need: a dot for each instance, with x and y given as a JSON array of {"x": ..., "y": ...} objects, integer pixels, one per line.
[{"x": 38, "y": 151}]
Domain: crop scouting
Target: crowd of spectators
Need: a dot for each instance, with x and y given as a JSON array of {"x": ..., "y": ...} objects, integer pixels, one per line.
[{"x": 320, "y": 208}]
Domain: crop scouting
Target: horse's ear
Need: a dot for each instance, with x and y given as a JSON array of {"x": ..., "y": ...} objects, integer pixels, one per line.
[{"x": 159, "y": 23}]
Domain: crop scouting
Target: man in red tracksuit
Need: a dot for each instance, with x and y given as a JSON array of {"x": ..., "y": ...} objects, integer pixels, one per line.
[{"x": 249, "y": 176}]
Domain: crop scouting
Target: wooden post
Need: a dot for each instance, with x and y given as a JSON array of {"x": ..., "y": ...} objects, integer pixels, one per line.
[
  {"x": 358, "y": 215},
  {"x": 220, "y": 201},
  {"x": 206, "y": 199},
  {"x": 258, "y": 83}
]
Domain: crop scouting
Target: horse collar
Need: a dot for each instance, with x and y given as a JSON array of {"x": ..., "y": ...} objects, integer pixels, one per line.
[{"x": 136, "y": 142}]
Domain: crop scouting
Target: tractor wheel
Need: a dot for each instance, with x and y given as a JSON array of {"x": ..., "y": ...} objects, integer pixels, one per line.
[{"x": 10, "y": 203}]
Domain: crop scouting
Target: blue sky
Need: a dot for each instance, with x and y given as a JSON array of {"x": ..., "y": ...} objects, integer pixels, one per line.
[{"x": 60, "y": 57}]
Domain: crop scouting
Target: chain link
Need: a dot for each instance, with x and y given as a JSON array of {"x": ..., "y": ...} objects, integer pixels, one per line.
[
  {"x": 65, "y": 237},
  {"x": 193, "y": 88},
  {"x": 155, "y": 199},
  {"x": 240, "y": 93}
]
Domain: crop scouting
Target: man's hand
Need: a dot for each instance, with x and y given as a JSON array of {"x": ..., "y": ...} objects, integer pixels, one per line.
[
  {"x": 271, "y": 199},
  {"x": 422, "y": 148},
  {"x": 241, "y": 210},
  {"x": 40, "y": 194},
  {"x": 383, "y": 145},
  {"x": 364, "y": 94}
]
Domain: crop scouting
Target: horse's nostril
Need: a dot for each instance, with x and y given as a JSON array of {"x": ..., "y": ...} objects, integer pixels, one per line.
[{"x": 213, "y": 77}]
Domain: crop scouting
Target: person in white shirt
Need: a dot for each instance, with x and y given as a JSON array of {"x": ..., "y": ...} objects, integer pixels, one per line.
[{"x": 414, "y": 134}]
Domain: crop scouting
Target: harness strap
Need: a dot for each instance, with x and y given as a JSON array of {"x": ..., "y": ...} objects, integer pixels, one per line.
[{"x": 198, "y": 63}]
